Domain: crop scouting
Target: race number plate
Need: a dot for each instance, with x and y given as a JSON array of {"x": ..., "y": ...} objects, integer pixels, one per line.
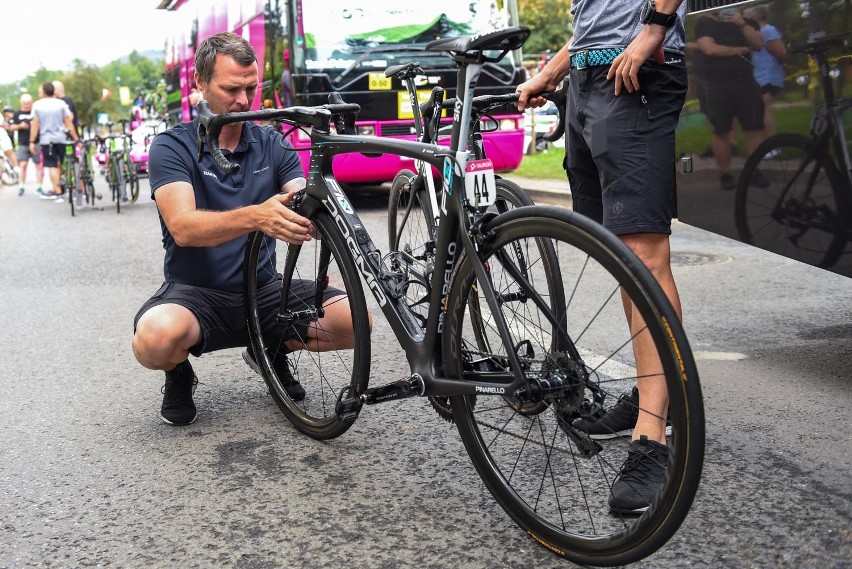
[{"x": 479, "y": 185}]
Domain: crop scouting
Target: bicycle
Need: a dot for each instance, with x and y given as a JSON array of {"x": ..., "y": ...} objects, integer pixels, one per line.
[
  {"x": 413, "y": 201},
  {"x": 8, "y": 175},
  {"x": 69, "y": 179},
  {"x": 802, "y": 207},
  {"x": 120, "y": 176},
  {"x": 544, "y": 350}
]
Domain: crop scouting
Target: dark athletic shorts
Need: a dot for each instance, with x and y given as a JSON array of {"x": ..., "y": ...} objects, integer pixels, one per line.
[
  {"x": 620, "y": 150},
  {"x": 723, "y": 102},
  {"x": 773, "y": 90},
  {"x": 222, "y": 315},
  {"x": 52, "y": 155}
]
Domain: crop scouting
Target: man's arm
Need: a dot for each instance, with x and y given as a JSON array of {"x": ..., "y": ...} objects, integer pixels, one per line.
[
  {"x": 69, "y": 124},
  {"x": 192, "y": 227},
  {"x": 34, "y": 126},
  {"x": 548, "y": 79},
  {"x": 648, "y": 43},
  {"x": 708, "y": 46}
]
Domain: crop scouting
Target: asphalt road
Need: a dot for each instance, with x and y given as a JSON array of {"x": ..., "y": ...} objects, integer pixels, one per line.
[{"x": 89, "y": 475}]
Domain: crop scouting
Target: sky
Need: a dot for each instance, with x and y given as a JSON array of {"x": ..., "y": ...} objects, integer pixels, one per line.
[{"x": 52, "y": 33}]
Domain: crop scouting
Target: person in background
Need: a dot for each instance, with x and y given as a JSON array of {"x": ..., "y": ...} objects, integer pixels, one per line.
[
  {"x": 727, "y": 87},
  {"x": 20, "y": 125},
  {"x": 628, "y": 83},
  {"x": 286, "y": 91},
  {"x": 59, "y": 89},
  {"x": 8, "y": 149},
  {"x": 51, "y": 119},
  {"x": 768, "y": 64}
]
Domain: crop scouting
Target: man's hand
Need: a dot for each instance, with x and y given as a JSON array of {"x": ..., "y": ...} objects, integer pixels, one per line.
[
  {"x": 625, "y": 67},
  {"x": 279, "y": 221}
]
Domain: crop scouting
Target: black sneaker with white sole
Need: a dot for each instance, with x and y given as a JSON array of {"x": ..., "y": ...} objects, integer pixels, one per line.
[
  {"x": 618, "y": 421},
  {"x": 282, "y": 368},
  {"x": 641, "y": 477},
  {"x": 178, "y": 407}
]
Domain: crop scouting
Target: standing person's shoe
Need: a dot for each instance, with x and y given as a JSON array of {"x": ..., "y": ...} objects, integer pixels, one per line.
[
  {"x": 619, "y": 421},
  {"x": 282, "y": 369},
  {"x": 47, "y": 195},
  {"x": 178, "y": 407},
  {"x": 758, "y": 180},
  {"x": 641, "y": 477},
  {"x": 728, "y": 183},
  {"x": 21, "y": 191}
]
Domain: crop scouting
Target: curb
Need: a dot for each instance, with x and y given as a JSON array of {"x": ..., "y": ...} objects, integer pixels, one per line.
[{"x": 544, "y": 190}]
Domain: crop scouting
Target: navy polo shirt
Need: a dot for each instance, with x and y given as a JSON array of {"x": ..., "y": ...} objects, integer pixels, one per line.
[{"x": 266, "y": 162}]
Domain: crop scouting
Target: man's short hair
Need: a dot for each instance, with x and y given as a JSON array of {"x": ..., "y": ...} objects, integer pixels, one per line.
[
  {"x": 226, "y": 43},
  {"x": 26, "y": 98},
  {"x": 48, "y": 89}
]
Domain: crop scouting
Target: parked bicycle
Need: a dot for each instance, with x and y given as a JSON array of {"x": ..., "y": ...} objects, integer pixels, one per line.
[
  {"x": 517, "y": 374},
  {"x": 119, "y": 173},
  {"x": 69, "y": 179},
  {"x": 414, "y": 202},
  {"x": 804, "y": 208}
]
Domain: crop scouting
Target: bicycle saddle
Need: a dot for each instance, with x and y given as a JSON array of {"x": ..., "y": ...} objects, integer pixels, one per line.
[{"x": 505, "y": 39}]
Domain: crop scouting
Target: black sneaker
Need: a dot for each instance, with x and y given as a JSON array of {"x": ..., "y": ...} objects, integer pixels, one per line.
[
  {"x": 282, "y": 368},
  {"x": 641, "y": 477},
  {"x": 727, "y": 182},
  {"x": 178, "y": 407},
  {"x": 619, "y": 421}
]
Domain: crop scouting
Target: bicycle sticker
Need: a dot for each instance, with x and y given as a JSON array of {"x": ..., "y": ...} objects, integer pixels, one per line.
[
  {"x": 479, "y": 183},
  {"x": 447, "y": 183}
]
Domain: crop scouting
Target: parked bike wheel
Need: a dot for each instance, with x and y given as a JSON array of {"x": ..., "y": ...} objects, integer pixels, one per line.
[
  {"x": 325, "y": 376},
  {"x": 131, "y": 182},
  {"x": 411, "y": 235},
  {"x": 790, "y": 201},
  {"x": 551, "y": 480}
]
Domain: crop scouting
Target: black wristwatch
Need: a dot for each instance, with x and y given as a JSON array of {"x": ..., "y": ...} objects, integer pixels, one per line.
[{"x": 651, "y": 16}]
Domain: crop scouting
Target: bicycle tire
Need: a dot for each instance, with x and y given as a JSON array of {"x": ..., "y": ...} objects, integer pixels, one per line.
[
  {"x": 325, "y": 376},
  {"x": 542, "y": 481},
  {"x": 799, "y": 209},
  {"x": 411, "y": 233},
  {"x": 131, "y": 182},
  {"x": 7, "y": 173},
  {"x": 118, "y": 181}
]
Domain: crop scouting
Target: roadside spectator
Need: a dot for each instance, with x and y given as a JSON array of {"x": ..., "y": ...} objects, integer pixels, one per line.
[
  {"x": 286, "y": 91},
  {"x": 20, "y": 125},
  {"x": 621, "y": 164},
  {"x": 59, "y": 89},
  {"x": 728, "y": 88},
  {"x": 51, "y": 119},
  {"x": 205, "y": 216},
  {"x": 768, "y": 64}
]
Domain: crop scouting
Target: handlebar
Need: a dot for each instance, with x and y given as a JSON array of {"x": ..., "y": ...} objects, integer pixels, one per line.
[
  {"x": 484, "y": 103},
  {"x": 210, "y": 125}
]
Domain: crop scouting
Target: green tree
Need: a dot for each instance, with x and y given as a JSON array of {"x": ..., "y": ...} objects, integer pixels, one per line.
[
  {"x": 550, "y": 22},
  {"x": 85, "y": 86}
]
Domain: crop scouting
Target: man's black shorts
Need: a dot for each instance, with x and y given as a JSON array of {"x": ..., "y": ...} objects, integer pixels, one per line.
[
  {"x": 620, "y": 150},
  {"x": 222, "y": 315},
  {"x": 52, "y": 155}
]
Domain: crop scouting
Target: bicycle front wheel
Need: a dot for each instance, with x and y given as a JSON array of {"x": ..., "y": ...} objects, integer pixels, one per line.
[
  {"x": 551, "y": 478},
  {"x": 790, "y": 201},
  {"x": 336, "y": 363}
]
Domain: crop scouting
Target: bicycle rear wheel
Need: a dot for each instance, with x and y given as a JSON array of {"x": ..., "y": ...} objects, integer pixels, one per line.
[
  {"x": 8, "y": 175},
  {"x": 552, "y": 481},
  {"x": 411, "y": 232},
  {"x": 790, "y": 201},
  {"x": 131, "y": 181},
  {"x": 342, "y": 370}
]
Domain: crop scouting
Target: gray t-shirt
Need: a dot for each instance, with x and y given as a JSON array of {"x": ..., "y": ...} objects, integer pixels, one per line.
[
  {"x": 51, "y": 113},
  {"x": 600, "y": 24}
]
